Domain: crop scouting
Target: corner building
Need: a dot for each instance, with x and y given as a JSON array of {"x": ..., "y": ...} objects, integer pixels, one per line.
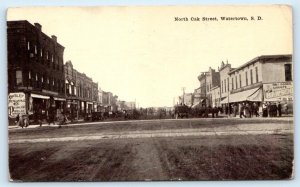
[
  {"x": 266, "y": 78},
  {"x": 35, "y": 70}
]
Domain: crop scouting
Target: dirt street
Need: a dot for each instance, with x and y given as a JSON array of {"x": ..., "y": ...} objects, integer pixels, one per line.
[{"x": 199, "y": 157}]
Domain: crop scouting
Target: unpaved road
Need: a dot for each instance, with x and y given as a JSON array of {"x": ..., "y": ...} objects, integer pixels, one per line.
[{"x": 197, "y": 157}]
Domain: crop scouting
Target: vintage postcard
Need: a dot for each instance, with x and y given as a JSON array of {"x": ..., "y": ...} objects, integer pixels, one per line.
[{"x": 150, "y": 93}]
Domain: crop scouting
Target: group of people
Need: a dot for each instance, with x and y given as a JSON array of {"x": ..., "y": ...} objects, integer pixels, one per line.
[
  {"x": 272, "y": 109},
  {"x": 53, "y": 116},
  {"x": 250, "y": 109}
]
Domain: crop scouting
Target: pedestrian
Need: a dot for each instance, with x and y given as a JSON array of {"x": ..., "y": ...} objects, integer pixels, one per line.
[
  {"x": 279, "y": 109},
  {"x": 255, "y": 109},
  {"x": 39, "y": 115},
  {"x": 275, "y": 110},
  {"x": 269, "y": 109},
  {"x": 241, "y": 109},
  {"x": 247, "y": 110},
  {"x": 250, "y": 108},
  {"x": 226, "y": 109},
  {"x": 286, "y": 109},
  {"x": 51, "y": 115}
]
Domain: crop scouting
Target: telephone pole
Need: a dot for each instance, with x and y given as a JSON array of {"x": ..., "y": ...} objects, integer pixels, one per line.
[{"x": 183, "y": 90}]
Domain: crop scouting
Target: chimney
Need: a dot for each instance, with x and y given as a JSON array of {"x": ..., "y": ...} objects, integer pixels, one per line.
[
  {"x": 54, "y": 38},
  {"x": 38, "y": 26}
]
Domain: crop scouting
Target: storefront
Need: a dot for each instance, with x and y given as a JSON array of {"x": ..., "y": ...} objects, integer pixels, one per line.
[{"x": 279, "y": 92}]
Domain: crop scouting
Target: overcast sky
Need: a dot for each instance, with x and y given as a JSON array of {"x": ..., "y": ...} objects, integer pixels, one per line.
[{"x": 142, "y": 53}]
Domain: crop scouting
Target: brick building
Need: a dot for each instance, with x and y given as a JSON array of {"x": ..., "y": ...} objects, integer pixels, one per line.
[
  {"x": 35, "y": 69},
  {"x": 208, "y": 80},
  {"x": 81, "y": 93},
  {"x": 266, "y": 78}
]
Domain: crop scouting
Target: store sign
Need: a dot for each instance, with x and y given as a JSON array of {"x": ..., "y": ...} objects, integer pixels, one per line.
[
  {"x": 16, "y": 104},
  {"x": 278, "y": 91}
]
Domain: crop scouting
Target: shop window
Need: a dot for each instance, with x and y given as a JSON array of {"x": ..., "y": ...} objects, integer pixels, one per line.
[
  {"x": 288, "y": 72},
  {"x": 19, "y": 78}
]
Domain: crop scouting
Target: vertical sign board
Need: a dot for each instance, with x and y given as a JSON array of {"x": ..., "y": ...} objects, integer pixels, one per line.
[
  {"x": 282, "y": 91},
  {"x": 16, "y": 104}
]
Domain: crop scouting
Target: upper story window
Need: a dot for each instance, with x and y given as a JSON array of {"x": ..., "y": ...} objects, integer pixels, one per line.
[
  {"x": 228, "y": 84},
  {"x": 256, "y": 74},
  {"x": 41, "y": 53},
  {"x": 232, "y": 84},
  {"x": 288, "y": 72},
  {"x": 251, "y": 76},
  {"x": 47, "y": 55},
  {"x": 28, "y": 45},
  {"x": 236, "y": 82},
  {"x": 222, "y": 87},
  {"x": 225, "y": 85},
  {"x": 35, "y": 49},
  {"x": 246, "y": 76},
  {"x": 240, "y": 78},
  {"x": 19, "y": 78}
]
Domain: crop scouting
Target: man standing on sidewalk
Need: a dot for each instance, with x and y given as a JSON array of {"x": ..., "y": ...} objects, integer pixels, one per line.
[
  {"x": 241, "y": 109},
  {"x": 279, "y": 109}
]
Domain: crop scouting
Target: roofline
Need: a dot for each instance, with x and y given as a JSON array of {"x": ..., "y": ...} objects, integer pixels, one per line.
[
  {"x": 27, "y": 22},
  {"x": 256, "y": 59}
]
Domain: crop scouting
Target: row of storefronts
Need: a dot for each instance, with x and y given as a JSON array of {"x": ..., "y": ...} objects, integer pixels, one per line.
[
  {"x": 40, "y": 82},
  {"x": 264, "y": 80}
]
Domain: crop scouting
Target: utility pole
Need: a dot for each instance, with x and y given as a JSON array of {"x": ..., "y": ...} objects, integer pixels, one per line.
[
  {"x": 183, "y": 90},
  {"x": 205, "y": 86},
  {"x": 173, "y": 101}
]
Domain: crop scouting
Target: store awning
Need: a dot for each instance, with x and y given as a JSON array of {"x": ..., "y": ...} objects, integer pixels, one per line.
[
  {"x": 195, "y": 105},
  {"x": 224, "y": 101},
  {"x": 248, "y": 95},
  {"x": 256, "y": 96},
  {"x": 59, "y": 99},
  {"x": 39, "y": 96}
]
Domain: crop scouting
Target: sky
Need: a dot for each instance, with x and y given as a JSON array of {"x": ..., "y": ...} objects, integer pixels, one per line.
[{"x": 142, "y": 54}]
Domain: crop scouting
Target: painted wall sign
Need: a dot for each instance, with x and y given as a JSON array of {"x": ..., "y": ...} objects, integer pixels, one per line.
[
  {"x": 16, "y": 104},
  {"x": 282, "y": 91}
]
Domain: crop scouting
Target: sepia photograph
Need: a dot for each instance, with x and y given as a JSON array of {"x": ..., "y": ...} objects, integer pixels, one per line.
[{"x": 150, "y": 93}]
